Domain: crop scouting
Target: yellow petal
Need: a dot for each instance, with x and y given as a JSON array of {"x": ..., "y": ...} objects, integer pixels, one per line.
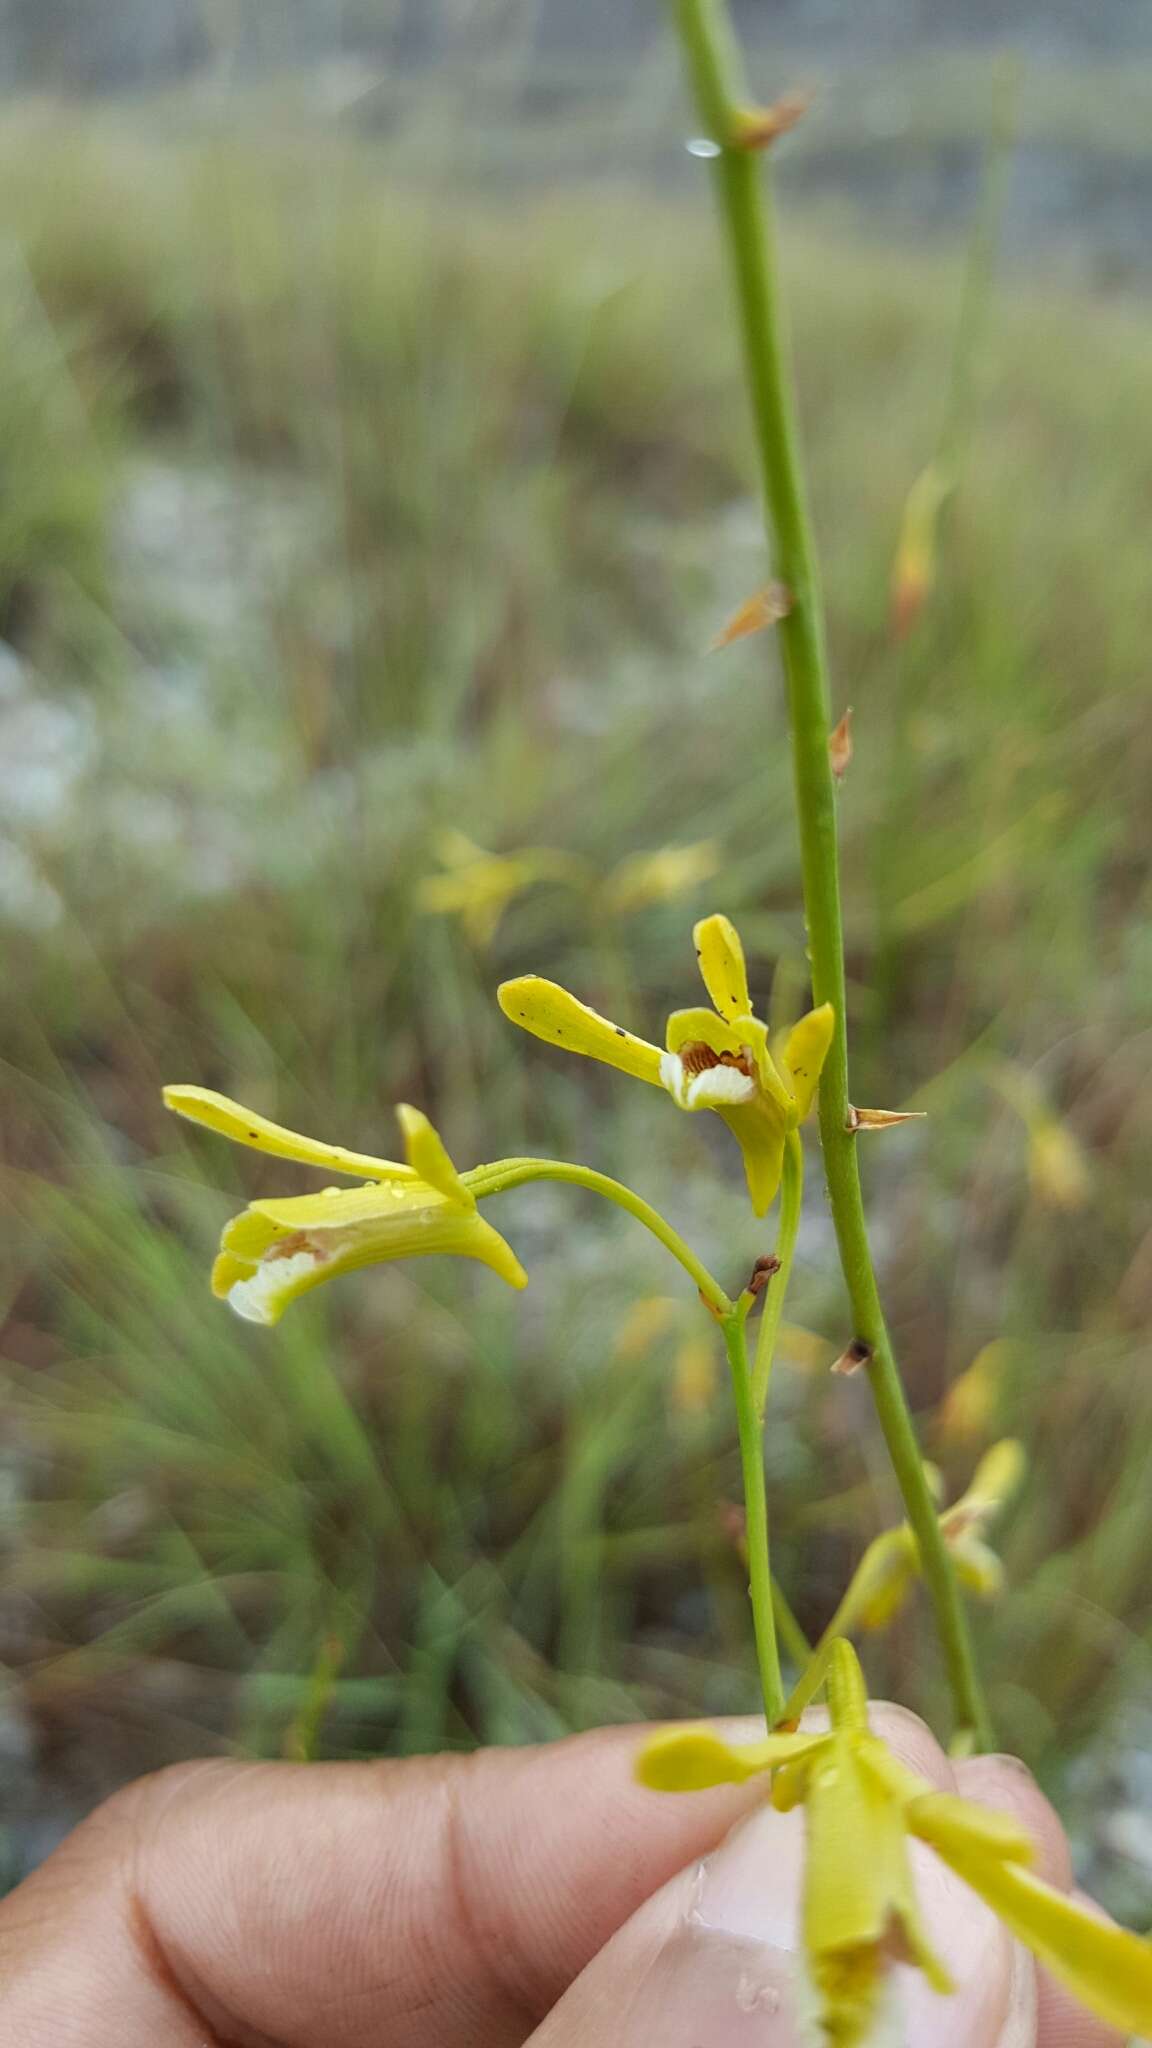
[
  {"x": 759, "y": 1131},
  {"x": 550, "y": 1013},
  {"x": 858, "y": 1882},
  {"x": 721, "y": 957},
  {"x": 690, "y": 1759},
  {"x": 977, "y": 1566},
  {"x": 855, "y": 1843},
  {"x": 456, "y": 850},
  {"x": 245, "y": 1127},
  {"x": 884, "y": 1578},
  {"x": 285, "y": 1246},
  {"x": 659, "y": 877},
  {"x": 426, "y": 1154},
  {"x": 1108, "y": 1970},
  {"x": 227, "y": 1270},
  {"x": 969, "y": 1406},
  {"x": 805, "y": 1052},
  {"x": 703, "y": 1027},
  {"x": 995, "y": 1479},
  {"x": 958, "y": 1827}
]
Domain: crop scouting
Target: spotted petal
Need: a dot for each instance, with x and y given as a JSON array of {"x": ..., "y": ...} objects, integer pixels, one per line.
[
  {"x": 246, "y": 1127},
  {"x": 805, "y": 1052},
  {"x": 722, "y": 966},
  {"x": 549, "y": 1012}
]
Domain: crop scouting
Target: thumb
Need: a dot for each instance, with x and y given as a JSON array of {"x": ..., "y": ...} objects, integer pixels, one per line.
[{"x": 716, "y": 1955}]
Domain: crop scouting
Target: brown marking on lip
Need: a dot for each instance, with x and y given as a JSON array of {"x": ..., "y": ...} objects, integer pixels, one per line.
[
  {"x": 296, "y": 1241},
  {"x": 698, "y": 1058}
]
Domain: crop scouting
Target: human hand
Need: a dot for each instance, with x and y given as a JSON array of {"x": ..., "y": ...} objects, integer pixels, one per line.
[{"x": 516, "y": 1897}]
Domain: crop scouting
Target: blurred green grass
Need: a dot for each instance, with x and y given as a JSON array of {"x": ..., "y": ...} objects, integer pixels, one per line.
[{"x": 335, "y": 515}]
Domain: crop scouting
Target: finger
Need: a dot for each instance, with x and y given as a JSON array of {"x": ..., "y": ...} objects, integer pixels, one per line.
[
  {"x": 715, "y": 1956},
  {"x": 440, "y": 1901},
  {"x": 1063, "y": 2023},
  {"x": 1006, "y": 1783}
]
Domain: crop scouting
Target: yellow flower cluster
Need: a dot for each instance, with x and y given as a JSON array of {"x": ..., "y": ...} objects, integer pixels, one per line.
[
  {"x": 860, "y": 1912},
  {"x": 717, "y": 1059}
]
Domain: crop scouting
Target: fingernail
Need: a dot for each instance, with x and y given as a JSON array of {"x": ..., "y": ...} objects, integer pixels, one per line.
[
  {"x": 750, "y": 1886},
  {"x": 728, "y": 1975},
  {"x": 1004, "y": 1762}
]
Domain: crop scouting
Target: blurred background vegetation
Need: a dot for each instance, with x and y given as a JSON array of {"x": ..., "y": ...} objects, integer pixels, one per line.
[{"x": 374, "y": 474}]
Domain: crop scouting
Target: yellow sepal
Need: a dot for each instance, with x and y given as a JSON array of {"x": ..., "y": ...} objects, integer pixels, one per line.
[
  {"x": 549, "y": 1012},
  {"x": 692, "y": 1758},
  {"x": 760, "y": 1134},
  {"x": 246, "y": 1127},
  {"x": 722, "y": 965},
  {"x": 805, "y": 1052},
  {"x": 427, "y": 1155},
  {"x": 1107, "y": 1969}
]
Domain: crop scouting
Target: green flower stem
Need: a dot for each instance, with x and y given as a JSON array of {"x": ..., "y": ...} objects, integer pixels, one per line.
[
  {"x": 497, "y": 1179},
  {"x": 845, "y": 1621},
  {"x": 791, "y": 1202},
  {"x": 484, "y": 1181},
  {"x": 756, "y": 1510},
  {"x": 749, "y": 227},
  {"x": 792, "y": 1636}
]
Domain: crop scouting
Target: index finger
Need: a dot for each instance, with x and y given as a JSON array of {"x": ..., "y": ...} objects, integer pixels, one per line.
[{"x": 447, "y": 1901}]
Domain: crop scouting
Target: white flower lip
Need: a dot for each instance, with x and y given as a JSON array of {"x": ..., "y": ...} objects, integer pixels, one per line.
[
  {"x": 256, "y": 1299},
  {"x": 717, "y": 1087}
]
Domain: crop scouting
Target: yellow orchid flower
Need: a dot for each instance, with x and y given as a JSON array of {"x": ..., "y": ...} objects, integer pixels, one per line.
[
  {"x": 715, "y": 1059},
  {"x": 642, "y": 879},
  {"x": 860, "y": 1912},
  {"x": 891, "y": 1563},
  {"x": 969, "y": 1407},
  {"x": 276, "y": 1250},
  {"x": 478, "y": 886}
]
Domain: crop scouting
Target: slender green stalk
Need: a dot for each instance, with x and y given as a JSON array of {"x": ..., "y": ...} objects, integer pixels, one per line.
[
  {"x": 791, "y": 1203},
  {"x": 760, "y": 1589},
  {"x": 789, "y": 1630},
  {"x": 484, "y": 1181},
  {"x": 748, "y": 222},
  {"x": 497, "y": 1179},
  {"x": 861, "y": 1593}
]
